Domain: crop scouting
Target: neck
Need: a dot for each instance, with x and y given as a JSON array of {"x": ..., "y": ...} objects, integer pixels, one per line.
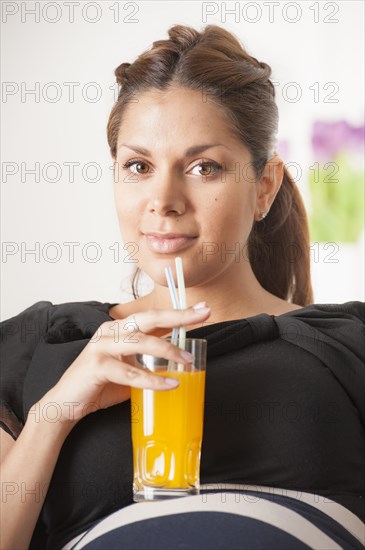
[{"x": 234, "y": 297}]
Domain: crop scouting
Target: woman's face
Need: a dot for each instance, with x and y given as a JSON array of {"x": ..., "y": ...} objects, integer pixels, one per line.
[{"x": 173, "y": 200}]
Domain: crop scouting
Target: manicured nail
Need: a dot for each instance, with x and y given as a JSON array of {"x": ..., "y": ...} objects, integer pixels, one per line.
[
  {"x": 200, "y": 305},
  {"x": 171, "y": 381},
  {"x": 186, "y": 355}
]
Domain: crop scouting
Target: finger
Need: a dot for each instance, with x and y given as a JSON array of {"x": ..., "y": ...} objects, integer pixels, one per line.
[
  {"x": 127, "y": 345},
  {"x": 146, "y": 321},
  {"x": 118, "y": 372}
]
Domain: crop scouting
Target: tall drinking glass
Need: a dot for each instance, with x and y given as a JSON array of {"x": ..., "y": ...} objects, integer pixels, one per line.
[{"x": 167, "y": 427}]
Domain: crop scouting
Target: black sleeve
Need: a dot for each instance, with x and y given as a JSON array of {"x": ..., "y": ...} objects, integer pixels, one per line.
[
  {"x": 19, "y": 337},
  {"x": 335, "y": 333}
]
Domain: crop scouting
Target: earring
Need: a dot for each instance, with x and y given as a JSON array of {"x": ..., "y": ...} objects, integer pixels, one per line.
[{"x": 263, "y": 214}]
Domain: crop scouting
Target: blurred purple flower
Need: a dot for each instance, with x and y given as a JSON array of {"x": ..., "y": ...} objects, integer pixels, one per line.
[
  {"x": 329, "y": 138},
  {"x": 283, "y": 149}
]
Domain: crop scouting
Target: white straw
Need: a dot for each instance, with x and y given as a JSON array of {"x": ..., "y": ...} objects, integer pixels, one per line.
[
  {"x": 182, "y": 299},
  {"x": 176, "y": 305},
  {"x": 180, "y": 282},
  {"x": 174, "y": 299},
  {"x": 172, "y": 289}
]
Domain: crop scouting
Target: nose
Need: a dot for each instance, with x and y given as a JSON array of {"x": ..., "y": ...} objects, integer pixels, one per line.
[{"x": 167, "y": 198}]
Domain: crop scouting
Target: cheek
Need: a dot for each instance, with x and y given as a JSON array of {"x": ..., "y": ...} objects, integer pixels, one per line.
[{"x": 229, "y": 215}]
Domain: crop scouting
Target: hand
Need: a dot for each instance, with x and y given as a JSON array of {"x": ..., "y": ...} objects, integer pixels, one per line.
[{"x": 102, "y": 374}]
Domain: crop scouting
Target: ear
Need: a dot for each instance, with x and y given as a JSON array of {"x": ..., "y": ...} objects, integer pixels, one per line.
[{"x": 268, "y": 185}]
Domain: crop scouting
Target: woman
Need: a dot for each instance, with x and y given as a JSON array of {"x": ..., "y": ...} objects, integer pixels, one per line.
[{"x": 196, "y": 175}]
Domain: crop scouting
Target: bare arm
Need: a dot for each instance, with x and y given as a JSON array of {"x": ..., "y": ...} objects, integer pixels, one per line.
[{"x": 26, "y": 470}]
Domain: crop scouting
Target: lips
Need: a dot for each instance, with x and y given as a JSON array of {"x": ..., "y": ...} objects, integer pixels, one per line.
[{"x": 166, "y": 243}]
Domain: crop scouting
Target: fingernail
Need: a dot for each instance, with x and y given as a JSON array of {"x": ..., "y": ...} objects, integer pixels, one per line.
[
  {"x": 171, "y": 381},
  {"x": 202, "y": 310},
  {"x": 200, "y": 305},
  {"x": 186, "y": 355}
]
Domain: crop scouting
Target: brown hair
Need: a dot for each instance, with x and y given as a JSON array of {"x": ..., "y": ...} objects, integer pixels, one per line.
[{"x": 214, "y": 62}]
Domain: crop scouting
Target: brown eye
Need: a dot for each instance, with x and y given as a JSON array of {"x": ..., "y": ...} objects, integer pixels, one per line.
[
  {"x": 140, "y": 170},
  {"x": 139, "y": 166},
  {"x": 205, "y": 169}
]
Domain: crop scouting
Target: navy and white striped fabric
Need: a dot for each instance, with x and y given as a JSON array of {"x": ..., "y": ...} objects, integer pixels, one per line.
[{"x": 229, "y": 517}]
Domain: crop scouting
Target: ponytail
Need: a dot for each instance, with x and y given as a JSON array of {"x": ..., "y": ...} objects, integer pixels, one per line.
[{"x": 279, "y": 247}]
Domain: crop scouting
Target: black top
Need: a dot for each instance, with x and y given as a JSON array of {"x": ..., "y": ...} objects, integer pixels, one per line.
[{"x": 284, "y": 407}]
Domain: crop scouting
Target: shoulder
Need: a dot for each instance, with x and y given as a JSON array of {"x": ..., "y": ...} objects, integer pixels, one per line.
[
  {"x": 33, "y": 323},
  {"x": 32, "y": 319},
  {"x": 353, "y": 310},
  {"x": 42, "y": 322},
  {"x": 345, "y": 320},
  {"x": 334, "y": 330},
  {"x": 31, "y": 311}
]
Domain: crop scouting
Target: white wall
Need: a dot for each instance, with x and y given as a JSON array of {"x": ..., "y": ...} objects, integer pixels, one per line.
[{"x": 37, "y": 130}]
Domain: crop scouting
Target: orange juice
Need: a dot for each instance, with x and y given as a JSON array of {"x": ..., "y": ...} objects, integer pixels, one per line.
[{"x": 167, "y": 429}]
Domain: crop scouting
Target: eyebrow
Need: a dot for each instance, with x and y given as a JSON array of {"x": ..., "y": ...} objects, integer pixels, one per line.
[{"x": 194, "y": 150}]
